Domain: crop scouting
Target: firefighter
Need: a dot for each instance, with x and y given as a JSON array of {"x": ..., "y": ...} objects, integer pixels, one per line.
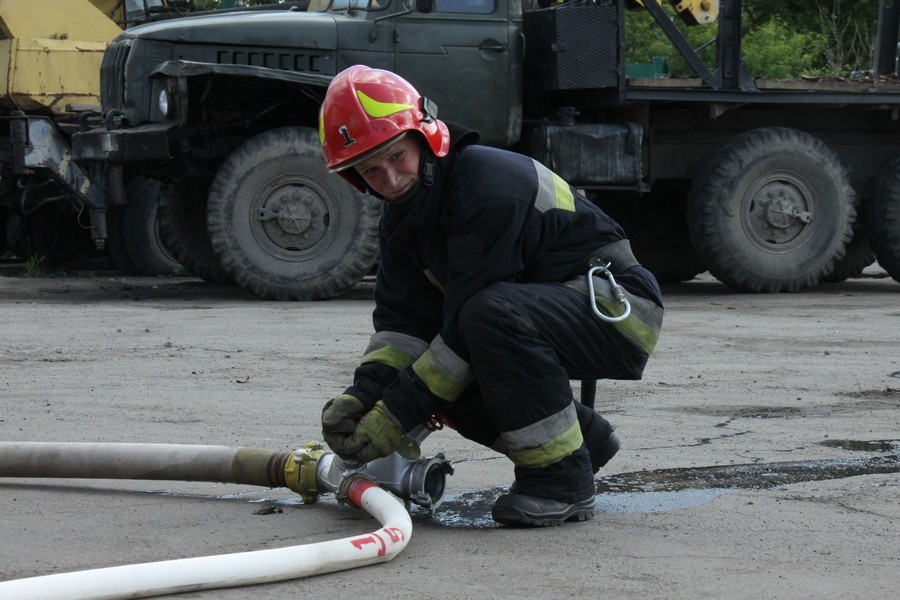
[{"x": 484, "y": 310}]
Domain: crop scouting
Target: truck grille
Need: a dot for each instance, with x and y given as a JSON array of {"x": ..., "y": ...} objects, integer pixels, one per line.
[
  {"x": 112, "y": 75},
  {"x": 304, "y": 62}
]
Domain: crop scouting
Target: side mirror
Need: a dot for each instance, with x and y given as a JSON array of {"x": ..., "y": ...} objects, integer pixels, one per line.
[{"x": 424, "y": 6}]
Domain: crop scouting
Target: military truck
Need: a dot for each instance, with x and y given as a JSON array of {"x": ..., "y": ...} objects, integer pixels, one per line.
[
  {"x": 50, "y": 56},
  {"x": 759, "y": 182}
]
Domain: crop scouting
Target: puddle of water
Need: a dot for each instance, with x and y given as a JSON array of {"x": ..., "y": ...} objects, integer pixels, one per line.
[
  {"x": 469, "y": 510},
  {"x": 472, "y": 510},
  {"x": 864, "y": 446},
  {"x": 647, "y": 502},
  {"x": 747, "y": 477},
  {"x": 673, "y": 489}
]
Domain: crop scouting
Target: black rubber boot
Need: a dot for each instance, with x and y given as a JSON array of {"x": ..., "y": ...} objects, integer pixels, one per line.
[
  {"x": 601, "y": 441},
  {"x": 549, "y": 496},
  {"x": 532, "y": 511}
]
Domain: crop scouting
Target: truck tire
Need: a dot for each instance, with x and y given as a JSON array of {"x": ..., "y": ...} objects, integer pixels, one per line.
[
  {"x": 772, "y": 212},
  {"x": 883, "y": 218},
  {"x": 284, "y": 227},
  {"x": 141, "y": 230},
  {"x": 656, "y": 226},
  {"x": 182, "y": 222}
]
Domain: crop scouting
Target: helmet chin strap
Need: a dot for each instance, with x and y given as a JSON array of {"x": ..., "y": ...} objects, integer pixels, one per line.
[{"x": 427, "y": 168}]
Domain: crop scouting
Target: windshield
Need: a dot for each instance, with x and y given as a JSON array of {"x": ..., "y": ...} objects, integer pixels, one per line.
[
  {"x": 137, "y": 6},
  {"x": 342, "y": 5},
  {"x": 484, "y": 7},
  {"x": 136, "y": 10}
]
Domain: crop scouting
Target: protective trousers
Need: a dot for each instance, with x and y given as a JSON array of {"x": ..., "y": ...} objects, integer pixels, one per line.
[{"x": 525, "y": 342}]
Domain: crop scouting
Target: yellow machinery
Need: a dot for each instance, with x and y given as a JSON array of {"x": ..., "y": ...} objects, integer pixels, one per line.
[
  {"x": 50, "y": 57},
  {"x": 50, "y": 52},
  {"x": 694, "y": 12}
]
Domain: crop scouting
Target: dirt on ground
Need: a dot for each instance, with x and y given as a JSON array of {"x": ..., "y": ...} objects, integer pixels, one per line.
[{"x": 760, "y": 452}]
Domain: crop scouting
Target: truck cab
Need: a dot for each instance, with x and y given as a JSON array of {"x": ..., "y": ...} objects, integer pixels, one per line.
[{"x": 180, "y": 98}]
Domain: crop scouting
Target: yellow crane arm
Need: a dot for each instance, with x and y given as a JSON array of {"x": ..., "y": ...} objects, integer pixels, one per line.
[{"x": 694, "y": 12}]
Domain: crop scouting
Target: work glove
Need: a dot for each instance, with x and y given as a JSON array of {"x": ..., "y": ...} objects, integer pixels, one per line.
[
  {"x": 339, "y": 418},
  {"x": 378, "y": 434}
]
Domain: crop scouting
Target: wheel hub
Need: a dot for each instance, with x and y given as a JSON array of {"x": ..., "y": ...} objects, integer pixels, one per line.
[
  {"x": 294, "y": 218},
  {"x": 779, "y": 211}
]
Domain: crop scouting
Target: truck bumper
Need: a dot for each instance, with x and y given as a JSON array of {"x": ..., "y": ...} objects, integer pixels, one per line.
[{"x": 147, "y": 142}]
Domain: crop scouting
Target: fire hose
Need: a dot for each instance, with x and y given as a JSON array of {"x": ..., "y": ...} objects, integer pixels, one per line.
[{"x": 374, "y": 487}]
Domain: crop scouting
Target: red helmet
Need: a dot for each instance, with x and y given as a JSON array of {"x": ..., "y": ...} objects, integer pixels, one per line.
[{"x": 366, "y": 108}]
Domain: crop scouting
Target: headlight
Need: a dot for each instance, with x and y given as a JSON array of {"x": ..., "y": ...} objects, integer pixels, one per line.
[{"x": 163, "y": 103}]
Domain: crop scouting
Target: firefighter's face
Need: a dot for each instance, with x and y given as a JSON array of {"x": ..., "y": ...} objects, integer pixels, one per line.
[{"x": 395, "y": 170}]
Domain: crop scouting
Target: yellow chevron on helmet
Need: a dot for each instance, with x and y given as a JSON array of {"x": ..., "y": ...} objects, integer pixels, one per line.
[{"x": 379, "y": 110}]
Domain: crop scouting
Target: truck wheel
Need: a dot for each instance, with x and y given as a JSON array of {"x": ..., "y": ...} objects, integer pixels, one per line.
[
  {"x": 883, "y": 218},
  {"x": 772, "y": 212},
  {"x": 283, "y": 226},
  {"x": 657, "y": 228},
  {"x": 141, "y": 230},
  {"x": 182, "y": 221}
]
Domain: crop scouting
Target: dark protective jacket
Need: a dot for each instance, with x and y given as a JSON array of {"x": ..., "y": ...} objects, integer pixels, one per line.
[{"x": 486, "y": 216}]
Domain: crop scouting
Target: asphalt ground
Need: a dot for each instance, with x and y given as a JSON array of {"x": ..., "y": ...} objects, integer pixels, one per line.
[{"x": 760, "y": 452}]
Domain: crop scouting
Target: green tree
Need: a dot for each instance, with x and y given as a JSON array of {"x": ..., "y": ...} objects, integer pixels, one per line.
[
  {"x": 846, "y": 28},
  {"x": 644, "y": 40},
  {"x": 781, "y": 39},
  {"x": 774, "y": 50}
]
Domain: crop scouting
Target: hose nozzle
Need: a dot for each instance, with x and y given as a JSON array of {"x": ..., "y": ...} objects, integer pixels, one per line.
[
  {"x": 421, "y": 481},
  {"x": 315, "y": 471}
]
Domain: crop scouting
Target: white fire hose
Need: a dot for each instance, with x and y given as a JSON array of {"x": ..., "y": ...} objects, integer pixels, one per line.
[{"x": 304, "y": 471}]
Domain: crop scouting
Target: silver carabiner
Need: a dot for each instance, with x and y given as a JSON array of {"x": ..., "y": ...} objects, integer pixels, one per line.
[{"x": 616, "y": 290}]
